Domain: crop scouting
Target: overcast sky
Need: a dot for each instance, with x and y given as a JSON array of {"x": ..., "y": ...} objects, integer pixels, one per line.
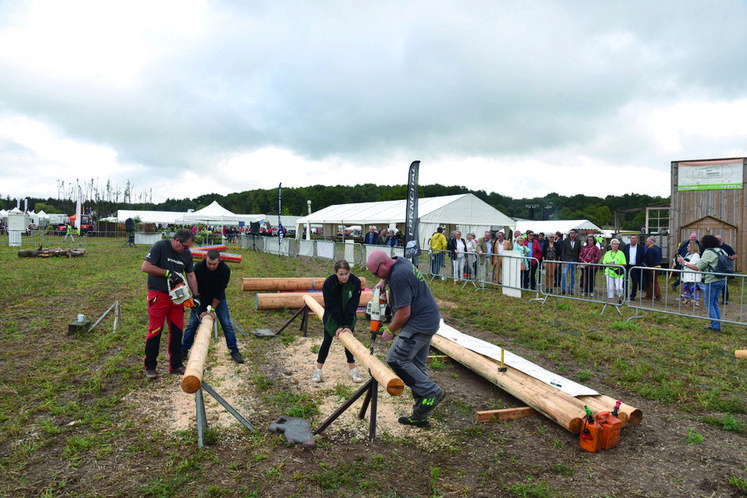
[{"x": 524, "y": 98}]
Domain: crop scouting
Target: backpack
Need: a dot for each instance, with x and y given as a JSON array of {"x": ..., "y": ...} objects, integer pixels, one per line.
[{"x": 724, "y": 264}]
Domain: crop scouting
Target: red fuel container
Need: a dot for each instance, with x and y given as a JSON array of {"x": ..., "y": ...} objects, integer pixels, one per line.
[
  {"x": 610, "y": 429},
  {"x": 591, "y": 435}
]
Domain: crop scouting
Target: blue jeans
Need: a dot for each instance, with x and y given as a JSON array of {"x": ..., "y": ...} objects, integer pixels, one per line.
[
  {"x": 712, "y": 293},
  {"x": 569, "y": 267},
  {"x": 221, "y": 312},
  {"x": 437, "y": 260}
]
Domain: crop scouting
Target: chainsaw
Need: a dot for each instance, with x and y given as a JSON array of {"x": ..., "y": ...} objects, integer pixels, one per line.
[
  {"x": 179, "y": 290},
  {"x": 379, "y": 312}
]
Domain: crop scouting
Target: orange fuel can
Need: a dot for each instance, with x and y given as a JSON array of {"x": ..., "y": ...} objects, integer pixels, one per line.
[
  {"x": 610, "y": 429},
  {"x": 591, "y": 433}
]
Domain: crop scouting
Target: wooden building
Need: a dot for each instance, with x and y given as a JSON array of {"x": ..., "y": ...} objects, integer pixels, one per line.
[{"x": 708, "y": 198}]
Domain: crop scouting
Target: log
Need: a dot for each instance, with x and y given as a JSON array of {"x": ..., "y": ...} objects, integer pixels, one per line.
[
  {"x": 740, "y": 353},
  {"x": 379, "y": 371},
  {"x": 504, "y": 414},
  {"x": 277, "y": 301},
  {"x": 300, "y": 284},
  {"x": 56, "y": 252},
  {"x": 225, "y": 256},
  {"x": 192, "y": 379},
  {"x": 556, "y": 405},
  {"x": 564, "y": 409}
]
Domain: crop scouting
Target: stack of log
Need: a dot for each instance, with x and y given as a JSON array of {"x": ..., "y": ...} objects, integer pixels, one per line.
[
  {"x": 292, "y": 291},
  {"x": 564, "y": 409},
  {"x": 52, "y": 252}
]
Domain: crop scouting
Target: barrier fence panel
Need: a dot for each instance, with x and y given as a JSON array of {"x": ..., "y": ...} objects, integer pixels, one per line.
[
  {"x": 306, "y": 248},
  {"x": 325, "y": 249},
  {"x": 658, "y": 293},
  {"x": 349, "y": 254}
]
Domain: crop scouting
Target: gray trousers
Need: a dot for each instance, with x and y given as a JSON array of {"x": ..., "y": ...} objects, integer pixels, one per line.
[{"x": 408, "y": 358}]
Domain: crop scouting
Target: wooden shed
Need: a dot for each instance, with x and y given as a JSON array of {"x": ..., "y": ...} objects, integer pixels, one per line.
[{"x": 708, "y": 198}]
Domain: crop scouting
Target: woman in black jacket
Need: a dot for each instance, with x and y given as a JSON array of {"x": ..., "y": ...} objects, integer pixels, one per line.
[{"x": 342, "y": 295}]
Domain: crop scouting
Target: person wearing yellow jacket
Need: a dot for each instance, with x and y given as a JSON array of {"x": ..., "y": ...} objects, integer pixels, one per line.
[{"x": 438, "y": 249}]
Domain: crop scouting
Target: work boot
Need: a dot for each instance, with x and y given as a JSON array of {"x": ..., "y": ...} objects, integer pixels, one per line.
[
  {"x": 179, "y": 370},
  {"x": 426, "y": 405},
  {"x": 356, "y": 375},
  {"x": 317, "y": 375},
  {"x": 151, "y": 373},
  {"x": 423, "y": 423},
  {"x": 236, "y": 356}
]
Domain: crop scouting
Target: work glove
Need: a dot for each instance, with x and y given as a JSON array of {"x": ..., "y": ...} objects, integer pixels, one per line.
[{"x": 196, "y": 300}]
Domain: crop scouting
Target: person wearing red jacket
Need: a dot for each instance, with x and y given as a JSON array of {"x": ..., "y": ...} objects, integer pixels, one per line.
[{"x": 532, "y": 264}]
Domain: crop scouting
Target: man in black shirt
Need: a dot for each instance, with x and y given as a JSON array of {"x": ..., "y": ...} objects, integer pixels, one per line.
[
  {"x": 165, "y": 259},
  {"x": 212, "y": 276}
]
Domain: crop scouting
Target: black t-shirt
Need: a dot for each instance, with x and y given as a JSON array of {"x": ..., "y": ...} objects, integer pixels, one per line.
[
  {"x": 211, "y": 284},
  {"x": 164, "y": 256}
]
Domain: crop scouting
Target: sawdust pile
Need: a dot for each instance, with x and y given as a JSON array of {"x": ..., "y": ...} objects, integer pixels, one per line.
[{"x": 164, "y": 403}]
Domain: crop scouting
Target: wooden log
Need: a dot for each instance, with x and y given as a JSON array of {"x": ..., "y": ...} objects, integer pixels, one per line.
[
  {"x": 601, "y": 403},
  {"x": 740, "y": 353},
  {"x": 192, "y": 379},
  {"x": 563, "y": 409},
  {"x": 295, "y": 300},
  {"x": 52, "y": 253},
  {"x": 300, "y": 284},
  {"x": 531, "y": 390},
  {"x": 225, "y": 256},
  {"x": 379, "y": 371},
  {"x": 504, "y": 414}
]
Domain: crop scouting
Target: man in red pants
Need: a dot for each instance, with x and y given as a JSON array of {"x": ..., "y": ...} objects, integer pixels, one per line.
[{"x": 165, "y": 259}]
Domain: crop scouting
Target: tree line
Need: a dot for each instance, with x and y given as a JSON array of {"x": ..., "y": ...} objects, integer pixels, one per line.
[{"x": 598, "y": 210}]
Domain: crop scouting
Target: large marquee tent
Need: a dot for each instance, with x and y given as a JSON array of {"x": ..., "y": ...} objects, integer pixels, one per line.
[
  {"x": 562, "y": 226},
  {"x": 463, "y": 212}
]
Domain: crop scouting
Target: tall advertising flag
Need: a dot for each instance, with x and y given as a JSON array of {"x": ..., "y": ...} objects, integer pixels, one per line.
[
  {"x": 280, "y": 210},
  {"x": 77, "y": 209},
  {"x": 412, "y": 250}
]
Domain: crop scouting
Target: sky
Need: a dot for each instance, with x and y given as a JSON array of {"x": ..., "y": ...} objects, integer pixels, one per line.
[{"x": 181, "y": 98}]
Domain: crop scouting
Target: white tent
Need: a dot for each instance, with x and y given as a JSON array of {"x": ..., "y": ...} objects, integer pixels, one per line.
[
  {"x": 552, "y": 226},
  {"x": 163, "y": 217},
  {"x": 215, "y": 214},
  {"x": 464, "y": 212}
]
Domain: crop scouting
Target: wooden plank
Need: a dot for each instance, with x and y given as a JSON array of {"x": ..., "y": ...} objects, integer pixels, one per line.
[
  {"x": 441, "y": 358},
  {"x": 504, "y": 414}
]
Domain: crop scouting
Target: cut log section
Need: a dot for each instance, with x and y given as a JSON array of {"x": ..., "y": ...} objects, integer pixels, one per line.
[
  {"x": 286, "y": 284},
  {"x": 379, "y": 371},
  {"x": 192, "y": 379},
  {"x": 504, "y": 414},
  {"x": 740, "y": 353},
  {"x": 295, "y": 300}
]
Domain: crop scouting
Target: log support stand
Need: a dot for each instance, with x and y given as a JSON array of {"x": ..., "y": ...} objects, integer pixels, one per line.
[
  {"x": 304, "y": 314},
  {"x": 202, "y": 419},
  {"x": 370, "y": 389}
]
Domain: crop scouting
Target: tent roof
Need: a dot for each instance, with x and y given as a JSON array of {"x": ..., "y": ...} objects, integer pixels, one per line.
[
  {"x": 167, "y": 217},
  {"x": 552, "y": 226},
  {"x": 452, "y": 209}
]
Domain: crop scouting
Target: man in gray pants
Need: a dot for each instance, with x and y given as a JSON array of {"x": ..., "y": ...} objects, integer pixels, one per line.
[{"x": 417, "y": 319}]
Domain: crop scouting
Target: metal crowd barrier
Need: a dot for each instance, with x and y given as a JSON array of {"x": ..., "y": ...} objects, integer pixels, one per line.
[
  {"x": 670, "y": 300},
  {"x": 591, "y": 283}
]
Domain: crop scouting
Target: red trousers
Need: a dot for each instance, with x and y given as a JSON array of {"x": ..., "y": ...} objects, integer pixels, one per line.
[{"x": 160, "y": 309}]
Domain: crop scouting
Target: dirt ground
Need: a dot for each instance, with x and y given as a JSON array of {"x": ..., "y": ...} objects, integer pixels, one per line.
[{"x": 527, "y": 457}]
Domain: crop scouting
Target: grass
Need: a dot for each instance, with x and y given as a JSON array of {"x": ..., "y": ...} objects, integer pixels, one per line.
[{"x": 65, "y": 397}]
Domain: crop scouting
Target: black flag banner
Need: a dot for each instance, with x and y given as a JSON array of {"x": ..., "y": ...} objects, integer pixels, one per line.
[{"x": 412, "y": 249}]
